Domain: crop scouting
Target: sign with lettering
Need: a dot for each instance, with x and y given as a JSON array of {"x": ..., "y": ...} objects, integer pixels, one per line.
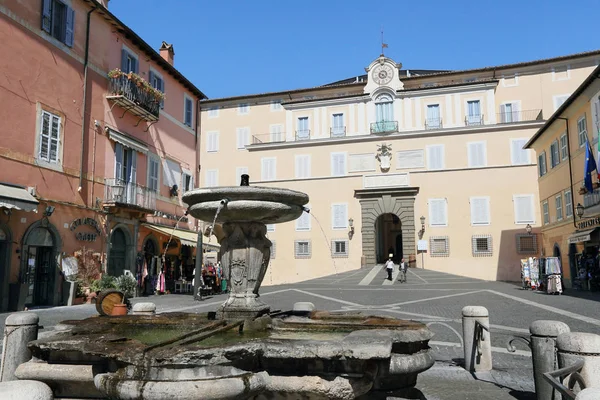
[
  {"x": 385, "y": 180},
  {"x": 85, "y": 236},
  {"x": 588, "y": 223}
]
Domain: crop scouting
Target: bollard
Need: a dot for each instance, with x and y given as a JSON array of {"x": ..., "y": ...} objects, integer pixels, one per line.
[
  {"x": 146, "y": 308},
  {"x": 477, "y": 346},
  {"x": 581, "y": 345},
  {"x": 20, "y": 329},
  {"x": 543, "y": 349},
  {"x": 588, "y": 394}
]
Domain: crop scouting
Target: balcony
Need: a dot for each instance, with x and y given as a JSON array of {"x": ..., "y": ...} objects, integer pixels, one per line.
[
  {"x": 474, "y": 120},
  {"x": 511, "y": 117},
  {"x": 433, "y": 123},
  {"x": 384, "y": 127},
  {"x": 128, "y": 195},
  {"x": 274, "y": 137},
  {"x": 134, "y": 95},
  {"x": 303, "y": 134},
  {"x": 338, "y": 131}
]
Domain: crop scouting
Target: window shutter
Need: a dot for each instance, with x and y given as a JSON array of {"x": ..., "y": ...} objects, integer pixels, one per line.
[
  {"x": 239, "y": 171},
  {"x": 124, "y": 60},
  {"x": 118, "y": 161},
  {"x": 54, "y": 139},
  {"x": 519, "y": 155},
  {"x": 476, "y": 154},
  {"x": 46, "y": 16},
  {"x": 133, "y": 171},
  {"x": 151, "y": 79},
  {"x": 524, "y": 209},
  {"x": 303, "y": 223},
  {"x": 480, "y": 211},
  {"x": 435, "y": 157},
  {"x": 45, "y": 136},
  {"x": 268, "y": 170},
  {"x": 69, "y": 29},
  {"x": 338, "y": 164},
  {"x": 503, "y": 116},
  {"x": 339, "y": 214},
  {"x": 410, "y": 159},
  {"x": 438, "y": 212}
]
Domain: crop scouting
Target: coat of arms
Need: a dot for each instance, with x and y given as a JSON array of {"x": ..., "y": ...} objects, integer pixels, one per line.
[{"x": 384, "y": 156}]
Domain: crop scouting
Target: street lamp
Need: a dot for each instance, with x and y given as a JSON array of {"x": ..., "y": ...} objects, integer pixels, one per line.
[
  {"x": 422, "y": 231},
  {"x": 579, "y": 210},
  {"x": 528, "y": 229},
  {"x": 351, "y": 226}
]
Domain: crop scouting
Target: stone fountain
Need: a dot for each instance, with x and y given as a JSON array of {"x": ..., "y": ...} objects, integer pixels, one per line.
[{"x": 243, "y": 351}]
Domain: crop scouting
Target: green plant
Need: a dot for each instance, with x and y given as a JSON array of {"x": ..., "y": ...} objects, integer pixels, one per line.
[
  {"x": 139, "y": 82},
  {"x": 95, "y": 285},
  {"x": 88, "y": 266},
  {"x": 127, "y": 285},
  {"x": 107, "y": 282}
]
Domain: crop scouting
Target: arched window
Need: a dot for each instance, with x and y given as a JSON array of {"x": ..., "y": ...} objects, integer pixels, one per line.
[{"x": 384, "y": 112}]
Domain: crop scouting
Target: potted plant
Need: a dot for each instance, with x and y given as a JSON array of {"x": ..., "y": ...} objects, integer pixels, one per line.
[{"x": 88, "y": 270}]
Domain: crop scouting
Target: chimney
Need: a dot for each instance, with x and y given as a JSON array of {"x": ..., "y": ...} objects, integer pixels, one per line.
[
  {"x": 167, "y": 52},
  {"x": 104, "y": 3}
]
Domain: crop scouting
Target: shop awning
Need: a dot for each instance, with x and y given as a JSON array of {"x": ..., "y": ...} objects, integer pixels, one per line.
[
  {"x": 187, "y": 238},
  {"x": 18, "y": 198},
  {"x": 127, "y": 141},
  {"x": 581, "y": 236}
]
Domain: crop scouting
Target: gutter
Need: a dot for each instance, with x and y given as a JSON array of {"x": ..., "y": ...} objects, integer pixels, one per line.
[
  {"x": 85, "y": 85},
  {"x": 570, "y": 171}
]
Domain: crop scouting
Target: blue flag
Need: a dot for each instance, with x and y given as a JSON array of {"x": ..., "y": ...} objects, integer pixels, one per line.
[{"x": 590, "y": 165}]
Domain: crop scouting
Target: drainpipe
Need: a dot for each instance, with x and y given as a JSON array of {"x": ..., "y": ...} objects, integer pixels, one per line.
[
  {"x": 85, "y": 85},
  {"x": 570, "y": 171}
]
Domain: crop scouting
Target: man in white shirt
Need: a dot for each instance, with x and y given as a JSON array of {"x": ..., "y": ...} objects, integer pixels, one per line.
[
  {"x": 389, "y": 266},
  {"x": 403, "y": 267}
]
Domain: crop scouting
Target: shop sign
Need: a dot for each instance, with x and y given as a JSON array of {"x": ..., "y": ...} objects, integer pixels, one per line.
[
  {"x": 584, "y": 237},
  {"x": 85, "y": 236},
  {"x": 588, "y": 223}
]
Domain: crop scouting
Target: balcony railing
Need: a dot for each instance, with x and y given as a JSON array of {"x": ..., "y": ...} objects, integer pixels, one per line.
[
  {"x": 303, "y": 134},
  {"x": 133, "y": 98},
  {"x": 433, "y": 123},
  {"x": 275, "y": 137},
  {"x": 120, "y": 193},
  {"x": 510, "y": 117},
  {"x": 384, "y": 127},
  {"x": 338, "y": 131},
  {"x": 474, "y": 120}
]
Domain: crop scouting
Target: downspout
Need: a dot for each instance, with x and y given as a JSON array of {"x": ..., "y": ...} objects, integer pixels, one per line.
[
  {"x": 570, "y": 171},
  {"x": 85, "y": 85}
]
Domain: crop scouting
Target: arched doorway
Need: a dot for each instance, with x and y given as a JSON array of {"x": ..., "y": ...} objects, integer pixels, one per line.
[
  {"x": 41, "y": 245},
  {"x": 117, "y": 260},
  {"x": 388, "y": 237},
  {"x": 5, "y": 241},
  {"x": 556, "y": 251}
]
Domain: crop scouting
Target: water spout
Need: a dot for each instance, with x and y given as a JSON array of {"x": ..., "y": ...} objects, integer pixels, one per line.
[
  {"x": 306, "y": 209},
  {"x": 222, "y": 204}
]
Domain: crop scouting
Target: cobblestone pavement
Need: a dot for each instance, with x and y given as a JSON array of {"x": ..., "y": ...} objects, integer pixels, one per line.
[{"x": 432, "y": 297}]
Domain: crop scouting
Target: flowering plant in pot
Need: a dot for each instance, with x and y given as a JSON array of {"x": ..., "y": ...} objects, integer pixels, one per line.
[{"x": 139, "y": 82}]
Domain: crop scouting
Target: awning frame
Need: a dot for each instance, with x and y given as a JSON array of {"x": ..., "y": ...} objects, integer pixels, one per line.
[
  {"x": 187, "y": 238},
  {"x": 127, "y": 141},
  {"x": 581, "y": 236}
]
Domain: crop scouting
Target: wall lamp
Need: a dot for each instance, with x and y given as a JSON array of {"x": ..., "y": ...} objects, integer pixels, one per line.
[
  {"x": 351, "y": 225},
  {"x": 422, "y": 231},
  {"x": 49, "y": 211},
  {"x": 528, "y": 229},
  {"x": 579, "y": 210}
]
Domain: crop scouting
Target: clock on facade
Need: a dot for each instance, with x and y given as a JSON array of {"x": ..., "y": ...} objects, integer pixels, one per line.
[{"x": 382, "y": 74}]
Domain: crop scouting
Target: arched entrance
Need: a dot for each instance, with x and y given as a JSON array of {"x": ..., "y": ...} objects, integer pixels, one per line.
[
  {"x": 556, "y": 251},
  {"x": 5, "y": 241},
  {"x": 388, "y": 237},
  {"x": 117, "y": 260}
]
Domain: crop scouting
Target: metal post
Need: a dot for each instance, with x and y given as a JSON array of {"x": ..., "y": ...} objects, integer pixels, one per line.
[
  {"x": 20, "y": 329},
  {"x": 476, "y": 337},
  {"x": 574, "y": 346},
  {"x": 543, "y": 349},
  {"x": 198, "y": 274}
]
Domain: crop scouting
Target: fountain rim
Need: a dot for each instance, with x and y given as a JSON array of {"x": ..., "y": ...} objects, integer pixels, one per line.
[{"x": 237, "y": 193}]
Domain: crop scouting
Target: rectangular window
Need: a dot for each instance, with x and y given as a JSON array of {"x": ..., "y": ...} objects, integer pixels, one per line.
[
  {"x": 239, "y": 171},
  {"x": 526, "y": 244},
  {"x": 510, "y": 80},
  {"x": 546, "y": 212},
  {"x": 564, "y": 150},
  {"x": 477, "y": 154},
  {"x": 157, "y": 82},
  {"x": 410, "y": 159},
  {"x": 188, "y": 182},
  {"x": 559, "y": 207},
  {"x": 524, "y": 210},
  {"x": 554, "y": 154},
  {"x": 276, "y": 105},
  {"x": 303, "y": 166},
  {"x": 49, "y": 138},
  {"x": 212, "y": 178},
  {"x": 439, "y": 246},
  {"x": 542, "y": 164},
  {"x": 568, "y": 204},
  {"x": 339, "y": 216},
  {"x": 273, "y": 249},
  {"x": 482, "y": 245},
  {"x": 277, "y": 133},
  {"x": 129, "y": 61},
  {"x": 171, "y": 173},
  {"x": 213, "y": 112},
  {"x": 480, "y": 210},
  {"x": 302, "y": 249},
  {"x": 339, "y": 248},
  {"x": 438, "y": 212},
  {"x": 153, "y": 172},
  {"x": 509, "y": 112},
  {"x": 212, "y": 142},
  {"x": 338, "y": 164},
  {"x": 519, "y": 155},
  {"x": 243, "y": 108},
  {"x": 270, "y": 227},
  {"x": 303, "y": 222},
  {"x": 559, "y": 100},
  {"x": 243, "y": 137},
  {"x": 433, "y": 121},
  {"x": 582, "y": 131},
  {"x": 435, "y": 157},
  {"x": 268, "y": 168},
  {"x": 338, "y": 126},
  {"x": 58, "y": 20},
  {"x": 302, "y": 129},
  {"x": 474, "y": 113},
  {"x": 187, "y": 115},
  {"x": 560, "y": 73}
]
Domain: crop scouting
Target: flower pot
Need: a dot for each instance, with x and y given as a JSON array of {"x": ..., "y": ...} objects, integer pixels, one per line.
[
  {"x": 582, "y": 190},
  {"x": 596, "y": 185},
  {"x": 119, "y": 309}
]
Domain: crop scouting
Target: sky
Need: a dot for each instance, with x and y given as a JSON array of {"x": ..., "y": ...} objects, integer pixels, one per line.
[{"x": 235, "y": 47}]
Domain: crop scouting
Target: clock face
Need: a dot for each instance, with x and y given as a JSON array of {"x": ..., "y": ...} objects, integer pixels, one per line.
[{"x": 382, "y": 74}]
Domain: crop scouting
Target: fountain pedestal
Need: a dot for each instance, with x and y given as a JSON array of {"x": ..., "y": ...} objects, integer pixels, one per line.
[{"x": 245, "y": 254}]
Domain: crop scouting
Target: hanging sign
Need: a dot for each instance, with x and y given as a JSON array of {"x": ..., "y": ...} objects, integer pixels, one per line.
[
  {"x": 85, "y": 236},
  {"x": 422, "y": 245},
  {"x": 588, "y": 223}
]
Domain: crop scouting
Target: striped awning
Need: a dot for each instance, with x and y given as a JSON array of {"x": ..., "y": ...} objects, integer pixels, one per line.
[
  {"x": 17, "y": 198},
  {"x": 187, "y": 238}
]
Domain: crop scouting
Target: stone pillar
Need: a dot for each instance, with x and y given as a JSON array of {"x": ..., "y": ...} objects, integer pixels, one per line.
[
  {"x": 145, "y": 308},
  {"x": 543, "y": 349},
  {"x": 245, "y": 254},
  {"x": 581, "y": 345},
  {"x": 20, "y": 329},
  {"x": 476, "y": 358}
]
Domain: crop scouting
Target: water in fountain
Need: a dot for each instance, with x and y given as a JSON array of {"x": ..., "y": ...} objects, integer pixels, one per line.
[
  {"x": 327, "y": 241},
  {"x": 219, "y": 208}
]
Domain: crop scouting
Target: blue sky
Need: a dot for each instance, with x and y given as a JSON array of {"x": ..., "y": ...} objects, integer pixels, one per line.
[{"x": 235, "y": 47}]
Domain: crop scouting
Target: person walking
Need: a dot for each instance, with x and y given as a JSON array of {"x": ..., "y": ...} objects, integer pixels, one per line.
[
  {"x": 403, "y": 266},
  {"x": 389, "y": 266}
]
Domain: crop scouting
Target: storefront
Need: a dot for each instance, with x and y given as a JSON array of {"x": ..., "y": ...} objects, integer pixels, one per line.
[{"x": 584, "y": 256}]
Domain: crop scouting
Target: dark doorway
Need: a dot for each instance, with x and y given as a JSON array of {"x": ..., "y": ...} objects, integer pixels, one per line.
[
  {"x": 118, "y": 253},
  {"x": 388, "y": 237},
  {"x": 572, "y": 262},
  {"x": 41, "y": 268},
  {"x": 5, "y": 239}
]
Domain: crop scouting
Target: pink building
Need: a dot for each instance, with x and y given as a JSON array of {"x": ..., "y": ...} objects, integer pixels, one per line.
[{"x": 92, "y": 156}]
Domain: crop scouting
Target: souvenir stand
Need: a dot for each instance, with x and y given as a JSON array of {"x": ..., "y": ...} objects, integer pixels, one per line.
[
  {"x": 525, "y": 277},
  {"x": 553, "y": 275}
]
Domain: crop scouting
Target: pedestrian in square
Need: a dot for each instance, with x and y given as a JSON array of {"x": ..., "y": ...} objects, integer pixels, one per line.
[
  {"x": 389, "y": 266},
  {"x": 403, "y": 266}
]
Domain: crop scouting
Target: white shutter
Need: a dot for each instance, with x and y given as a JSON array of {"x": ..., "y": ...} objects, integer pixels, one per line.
[
  {"x": 476, "y": 152},
  {"x": 303, "y": 222},
  {"x": 435, "y": 156},
  {"x": 480, "y": 210},
  {"x": 524, "y": 212},
  {"x": 268, "y": 168},
  {"x": 410, "y": 159},
  {"x": 303, "y": 166},
  {"x": 243, "y": 137},
  {"x": 172, "y": 173},
  {"x": 338, "y": 164},
  {"x": 518, "y": 155},
  {"x": 212, "y": 178},
  {"x": 438, "y": 212},
  {"x": 239, "y": 171},
  {"x": 212, "y": 141},
  {"x": 339, "y": 216}
]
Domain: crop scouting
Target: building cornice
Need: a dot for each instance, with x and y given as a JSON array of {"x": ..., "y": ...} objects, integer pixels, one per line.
[
  {"x": 445, "y": 89},
  {"x": 362, "y": 194},
  {"x": 335, "y": 101}
]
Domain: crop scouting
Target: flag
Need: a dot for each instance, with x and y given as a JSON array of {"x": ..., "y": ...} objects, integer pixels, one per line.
[
  {"x": 590, "y": 165},
  {"x": 384, "y": 45}
]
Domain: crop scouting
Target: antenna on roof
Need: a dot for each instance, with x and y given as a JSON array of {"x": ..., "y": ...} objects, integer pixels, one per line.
[{"x": 383, "y": 45}]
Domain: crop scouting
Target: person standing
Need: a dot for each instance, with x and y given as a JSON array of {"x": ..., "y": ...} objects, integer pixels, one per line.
[
  {"x": 403, "y": 266},
  {"x": 389, "y": 266}
]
